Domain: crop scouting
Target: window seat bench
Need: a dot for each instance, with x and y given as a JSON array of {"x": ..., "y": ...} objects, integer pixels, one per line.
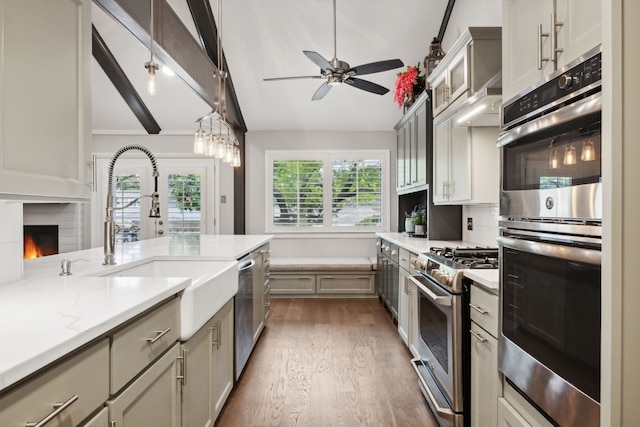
[{"x": 322, "y": 276}]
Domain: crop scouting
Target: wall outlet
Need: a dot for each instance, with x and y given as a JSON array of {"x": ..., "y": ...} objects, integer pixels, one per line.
[
  {"x": 223, "y": 199},
  {"x": 470, "y": 224}
]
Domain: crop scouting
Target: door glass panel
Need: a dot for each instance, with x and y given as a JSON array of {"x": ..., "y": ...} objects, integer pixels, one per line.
[
  {"x": 433, "y": 331},
  {"x": 184, "y": 204},
  {"x": 551, "y": 309},
  {"x": 128, "y": 219},
  {"x": 439, "y": 93},
  {"x": 457, "y": 76}
]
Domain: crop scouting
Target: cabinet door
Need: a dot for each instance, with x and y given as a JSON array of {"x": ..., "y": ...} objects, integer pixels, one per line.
[
  {"x": 520, "y": 43},
  {"x": 153, "y": 399},
  {"x": 440, "y": 163},
  {"x": 45, "y": 85},
  {"x": 403, "y": 306},
  {"x": 400, "y": 158},
  {"x": 221, "y": 359},
  {"x": 458, "y": 76},
  {"x": 258, "y": 295},
  {"x": 440, "y": 94},
  {"x": 411, "y": 147},
  {"x": 581, "y": 29},
  {"x": 414, "y": 331},
  {"x": 509, "y": 417},
  {"x": 420, "y": 139},
  {"x": 101, "y": 419},
  {"x": 459, "y": 188},
  {"x": 196, "y": 396},
  {"x": 485, "y": 379}
]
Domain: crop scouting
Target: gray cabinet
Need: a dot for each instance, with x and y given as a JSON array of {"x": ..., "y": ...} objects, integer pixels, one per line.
[
  {"x": 70, "y": 390},
  {"x": 209, "y": 369},
  {"x": 411, "y": 153},
  {"x": 45, "y": 134}
]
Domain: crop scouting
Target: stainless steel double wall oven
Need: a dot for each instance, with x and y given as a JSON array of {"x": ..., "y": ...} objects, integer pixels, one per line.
[{"x": 550, "y": 243}]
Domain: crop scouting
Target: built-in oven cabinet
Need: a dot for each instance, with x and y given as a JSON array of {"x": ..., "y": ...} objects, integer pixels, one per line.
[
  {"x": 472, "y": 60},
  {"x": 466, "y": 168},
  {"x": 486, "y": 385},
  {"x": 527, "y": 42},
  {"x": 59, "y": 35}
]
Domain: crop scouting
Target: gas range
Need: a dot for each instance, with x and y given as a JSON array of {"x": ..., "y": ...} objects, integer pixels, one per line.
[{"x": 446, "y": 265}]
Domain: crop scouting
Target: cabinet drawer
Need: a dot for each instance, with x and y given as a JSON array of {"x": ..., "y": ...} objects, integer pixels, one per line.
[
  {"x": 484, "y": 310},
  {"x": 405, "y": 259},
  {"x": 292, "y": 284},
  {"x": 82, "y": 381},
  {"x": 140, "y": 343},
  {"x": 345, "y": 284}
]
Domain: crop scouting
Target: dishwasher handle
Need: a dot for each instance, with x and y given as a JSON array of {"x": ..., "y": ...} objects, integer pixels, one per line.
[{"x": 246, "y": 265}]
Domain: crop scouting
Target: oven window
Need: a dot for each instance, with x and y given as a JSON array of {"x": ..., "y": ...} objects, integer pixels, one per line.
[
  {"x": 551, "y": 309},
  {"x": 564, "y": 160},
  {"x": 433, "y": 331}
]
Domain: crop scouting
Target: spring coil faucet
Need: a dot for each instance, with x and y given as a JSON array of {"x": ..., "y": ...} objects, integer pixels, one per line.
[{"x": 109, "y": 222}]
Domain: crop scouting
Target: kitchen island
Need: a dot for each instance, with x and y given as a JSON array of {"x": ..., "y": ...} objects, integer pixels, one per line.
[{"x": 46, "y": 316}]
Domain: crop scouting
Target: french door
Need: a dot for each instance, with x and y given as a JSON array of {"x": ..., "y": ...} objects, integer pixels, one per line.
[{"x": 185, "y": 187}]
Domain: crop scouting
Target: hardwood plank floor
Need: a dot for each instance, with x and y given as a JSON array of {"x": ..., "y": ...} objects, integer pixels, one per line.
[{"x": 328, "y": 362}]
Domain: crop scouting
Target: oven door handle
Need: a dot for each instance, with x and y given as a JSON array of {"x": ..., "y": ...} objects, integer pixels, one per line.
[
  {"x": 586, "y": 256},
  {"x": 445, "y": 301},
  {"x": 444, "y": 413}
]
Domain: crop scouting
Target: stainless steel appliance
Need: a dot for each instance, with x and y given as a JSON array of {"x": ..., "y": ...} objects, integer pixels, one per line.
[
  {"x": 243, "y": 306},
  {"x": 390, "y": 275},
  {"x": 443, "y": 365},
  {"x": 550, "y": 243}
]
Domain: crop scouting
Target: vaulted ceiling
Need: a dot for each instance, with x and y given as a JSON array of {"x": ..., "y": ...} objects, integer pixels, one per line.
[{"x": 263, "y": 39}]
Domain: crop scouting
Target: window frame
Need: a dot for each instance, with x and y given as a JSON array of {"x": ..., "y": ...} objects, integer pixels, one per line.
[{"x": 327, "y": 157}]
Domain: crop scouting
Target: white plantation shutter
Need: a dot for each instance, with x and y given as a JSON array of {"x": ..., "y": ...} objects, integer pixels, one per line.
[
  {"x": 316, "y": 191},
  {"x": 184, "y": 208}
]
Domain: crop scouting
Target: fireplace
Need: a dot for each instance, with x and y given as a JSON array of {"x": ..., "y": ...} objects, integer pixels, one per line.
[{"x": 40, "y": 240}]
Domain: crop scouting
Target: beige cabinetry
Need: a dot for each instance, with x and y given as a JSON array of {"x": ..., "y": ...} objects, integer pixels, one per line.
[
  {"x": 404, "y": 296},
  {"x": 344, "y": 283},
  {"x": 298, "y": 284},
  {"x": 101, "y": 419},
  {"x": 45, "y": 83},
  {"x": 466, "y": 168},
  {"x": 65, "y": 394},
  {"x": 542, "y": 36},
  {"x": 208, "y": 378},
  {"x": 411, "y": 154},
  {"x": 153, "y": 398},
  {"x": 485, "y": 377},
  {"x": 515, "y": 411}
]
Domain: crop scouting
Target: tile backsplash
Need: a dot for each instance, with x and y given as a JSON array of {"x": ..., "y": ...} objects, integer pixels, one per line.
[
  {"x": 11, "y": 242},
  {"x": 485, "y": 224}
]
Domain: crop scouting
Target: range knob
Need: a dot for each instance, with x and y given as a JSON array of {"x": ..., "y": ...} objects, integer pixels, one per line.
[
  {"x": 424, "y": 264},
  {"x": 565, "y": 81}
]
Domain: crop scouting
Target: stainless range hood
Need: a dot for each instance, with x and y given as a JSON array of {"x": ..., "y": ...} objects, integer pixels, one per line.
[{"x": 482, "y": 109}]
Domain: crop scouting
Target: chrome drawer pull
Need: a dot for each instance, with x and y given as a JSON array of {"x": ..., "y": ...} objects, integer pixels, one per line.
[
  {"x": 160, "y": 335},
  {"x": 478, "y": 336},
  {"x": 183, "y": 377},
  {"x": 59, "y": 407},
  {"x": 478, "y": 309}
]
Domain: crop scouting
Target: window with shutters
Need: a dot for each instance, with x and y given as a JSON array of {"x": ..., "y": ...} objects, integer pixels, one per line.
[{"x": 311, "y": 191}]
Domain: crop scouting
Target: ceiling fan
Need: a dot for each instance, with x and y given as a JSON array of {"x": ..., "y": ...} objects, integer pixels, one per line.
[{"x": 337, "y": 72}]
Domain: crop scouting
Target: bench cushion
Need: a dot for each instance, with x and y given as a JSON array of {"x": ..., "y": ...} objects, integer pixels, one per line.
[{"x": 320, "y": 264}]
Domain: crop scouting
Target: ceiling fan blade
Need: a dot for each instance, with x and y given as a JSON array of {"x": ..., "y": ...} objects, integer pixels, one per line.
[
  {"x": 321, "y": 92},
  {"x": 367, "y": 86},
  {"x": 292, "y": 78},
  {"x": 376, "y": 67},
  {"x": 318, "y": 60}
]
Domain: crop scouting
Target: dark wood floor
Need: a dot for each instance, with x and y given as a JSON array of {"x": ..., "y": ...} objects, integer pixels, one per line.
[{"x": 328, "y": 362}]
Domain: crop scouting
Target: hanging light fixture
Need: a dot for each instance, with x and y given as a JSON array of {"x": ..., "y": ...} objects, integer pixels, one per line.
[
  {"x": 151, "y": 66},
  {"x": 554, "y": 157},
  {"x": 569, "y": 155},
  {"x": 588, "y": 151},
  {"x": 221, "y": 141},
  {"x": 434, "y": 57}
]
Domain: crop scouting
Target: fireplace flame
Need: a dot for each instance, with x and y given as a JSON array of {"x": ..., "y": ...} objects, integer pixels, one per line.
[{"x": 31, "y": 250}]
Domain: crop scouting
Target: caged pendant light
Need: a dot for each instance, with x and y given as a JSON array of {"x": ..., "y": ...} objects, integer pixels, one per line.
[{"x": 220, "y": 142}]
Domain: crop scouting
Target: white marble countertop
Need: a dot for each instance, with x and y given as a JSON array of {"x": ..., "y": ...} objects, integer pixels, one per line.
[
  {"x": 486, "y": 278},
  {"x": 45, "y": 316}
]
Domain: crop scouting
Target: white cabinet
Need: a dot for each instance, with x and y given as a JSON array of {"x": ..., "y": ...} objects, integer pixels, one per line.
[
  {"x": 45, "y": 83},
  {"x": 406, "y": 289},
  {"x": 452, "y": 82},
  {"x": 411, "y": 137},
  {"x": 485, "y": 377},
  {"x": 466, "y": 168},
  {"x": 209, "y": 369},
  {"x": 515, "y": 411},
  {"x": 529, "y": 37},
  {"x": 509, "y": 417}
]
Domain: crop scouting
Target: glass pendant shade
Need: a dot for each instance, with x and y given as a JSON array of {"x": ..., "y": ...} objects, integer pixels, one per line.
[
  {"x": 199, "y": 142},
  {"x": 228, "y": 153},
  {"x": 220, "y": 148},
  {"x": 151, "y": 84},
  {"x": 569, "y": 155},
  {"x": 211, "y": 146},
  {"x": 554, "y": 159},
  {"x": 236, "y": 157},
  {"x": 588, "y": 151}
]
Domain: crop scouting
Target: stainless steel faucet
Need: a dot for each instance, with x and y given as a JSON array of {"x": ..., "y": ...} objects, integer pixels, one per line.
[{"x": 110, "y": 227}]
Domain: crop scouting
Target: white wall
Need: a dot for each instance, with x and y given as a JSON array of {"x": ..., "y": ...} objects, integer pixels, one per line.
[
  {"x": 354, "y": 245},
  {"x": 11, "y": 250},
  {"x": 471, "y": 13}
]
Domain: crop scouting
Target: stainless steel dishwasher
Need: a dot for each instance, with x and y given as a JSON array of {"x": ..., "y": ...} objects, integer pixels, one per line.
[{"x": 244, "y": 311}]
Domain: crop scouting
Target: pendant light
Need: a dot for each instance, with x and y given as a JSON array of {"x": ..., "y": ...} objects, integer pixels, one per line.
[
  {"x": 221, "y": 141},
  {"x": 588, "y": 151},
  {"x": 554, "y": 157},
  {"x": 569, "y": 155},
  {"x": 151, "y": 66}
]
